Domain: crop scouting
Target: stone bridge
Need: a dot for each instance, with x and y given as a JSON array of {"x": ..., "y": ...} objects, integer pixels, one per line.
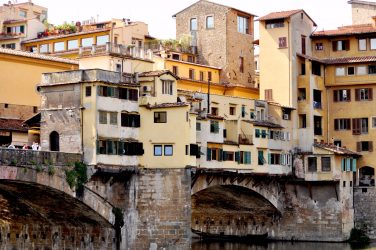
[{"x": 34, "y": 190}]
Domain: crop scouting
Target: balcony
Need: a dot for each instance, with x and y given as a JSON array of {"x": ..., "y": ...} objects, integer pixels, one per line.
[{"x": 245, "y": 139}]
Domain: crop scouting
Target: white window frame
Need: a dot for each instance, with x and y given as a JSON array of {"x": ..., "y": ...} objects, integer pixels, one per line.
[{"x": 340, "y": 71}]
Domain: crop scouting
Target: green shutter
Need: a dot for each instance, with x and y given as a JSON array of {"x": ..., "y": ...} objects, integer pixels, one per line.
[
  {"x": 354, "y": 165},
  {"x": 225, "y": 155},
  {"x": 247, "y": 157},
  {"x": 257, "y": 133},
  {"x": 261, "y": 157},
  {"x": 348, "y": 164},
  {"x": 237, "y": 157},
  {"x": 220, "y": 156},
  {"x": 343, "y": 164},
  {"x": 208, "y": 154}
]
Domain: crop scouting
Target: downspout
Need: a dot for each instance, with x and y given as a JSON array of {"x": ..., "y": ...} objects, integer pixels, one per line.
[{"x": 290, "y": 73}]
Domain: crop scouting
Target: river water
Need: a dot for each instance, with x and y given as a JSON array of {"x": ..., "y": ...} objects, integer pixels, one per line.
[{"x": 211, "y": 245}]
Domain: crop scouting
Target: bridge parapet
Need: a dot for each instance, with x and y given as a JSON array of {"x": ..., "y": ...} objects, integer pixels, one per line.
[{"x": 21, "y": 157}]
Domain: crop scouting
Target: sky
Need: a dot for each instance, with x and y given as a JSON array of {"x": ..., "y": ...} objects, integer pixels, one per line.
[{"x": 328, "y": 14}]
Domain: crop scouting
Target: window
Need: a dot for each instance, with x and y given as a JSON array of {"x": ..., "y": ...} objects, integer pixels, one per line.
[
  {"x": 276, "y": 23},
  {"x": 175, "y": 70},
  {"x": 364, "y": 146},
  {"x": 340, "y": 71},
  {"x": 371, "y": 69},
  {"x": 363, "y": 94},
  {"x": 119, "y": 148},
  {"x": 198, "y": 126},
  {"x": 193, "y": 24},
  {"x": 168, "y": 150},
  {"x": 157, "y": 150},
  {"x": 190, "y": 59},
  {"x": 214, "y": 127},
  {"x": 118, "y": 67},
  {"x": 282, "y": 42},
  {"x": 325, "y": 164},
  {"x": 214, "y": 111},
  {"x": 362, "y": 44},
  {"x": 176, "y": 57},
  {"x": 214, "y": 154},
  {"x": 88, "y": 91},
  {"x": 243, "y": 111},
  {"x": 337, "y": 143},
  {"x": 316, "y": 68},
  {"x": 23, "y": 13},
  {"x": 359, "y": 126},
  {"x": 302, "y": 94},
  {"x": 274, "y": 159},
  {"x": 43, "y": 48},
  {"x": 102, "y": 40},
  {"x": 361, "y": 70},
  {"x": 160, "y": 117},
  {"x": 302, "y": 69},
  {"x": 319, "y": 46},
  {"x": 72, "y": 44},
  {"x": 209, "y": 75},
  {"x": 303, "y": 121},
  {"x": 312, "y": 164},
  {"x": 87, "y": 42},
  {"x": 373, "y": 122},
  {"x": 35, "y": 109},
  {"x": 209, "y": 22},
  {"x": 342, "y": 124},
  {"x": 263, "y": 134},
  {"x": 232, "y": 110},
  {"x": 268, "y": 94},
  {"x": 59, "y": 46},
  {"x": 342, "y": 95},
  {"x": 260, "y": 158},
  {"x": 373, "y": 43},
  {"x": 191, "y": 74},
  {"x": 228, "y": 156},
  {"x": 130, "y": 120},
  {"x": 102, "y": 117},
  {"x": 201, "y": 76},
  {"x": 303, "y": 45},
  {"x": 241, "y": 64},
  {"x": 167, "y": 87},
  {"x": 341, "y": 45},
  {"x": 317, "y": 121},
  {"x": 350, "y": 71},
  {"x": 113, "y": 118},
  {"x": 286, "y": 114},
  {"x": 243, "y": 25}
]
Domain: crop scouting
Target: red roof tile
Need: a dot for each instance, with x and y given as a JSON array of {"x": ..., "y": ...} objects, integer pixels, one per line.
[
  {"x": 167, "y": 105},
  {"x": 215, "y": 117},
  {"x": 342, "y": 60},
  {"x": 337, "y": 150},
  {"x": 12, "y": 125},
  {"x": 346, "y": 31},
  {"x": 283, "y": 14}
]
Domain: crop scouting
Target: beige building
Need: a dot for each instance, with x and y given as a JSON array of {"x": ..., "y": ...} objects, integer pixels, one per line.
[
  {"x": 222, "y": 36},
  {"x": 20, "y": 22},
  {"x": 363, "y": 12}
]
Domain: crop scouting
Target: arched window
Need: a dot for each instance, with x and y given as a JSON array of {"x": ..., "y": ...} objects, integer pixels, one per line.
[
  {"x": 54, "y": 141},
  {"x": 366, "y": 176}
]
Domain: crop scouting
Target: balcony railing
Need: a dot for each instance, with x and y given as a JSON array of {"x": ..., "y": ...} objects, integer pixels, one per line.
[
  {"x": 245, "y": 139},
  {"x": 317, "y": 105},
  {"x": 21, "y": 157}
]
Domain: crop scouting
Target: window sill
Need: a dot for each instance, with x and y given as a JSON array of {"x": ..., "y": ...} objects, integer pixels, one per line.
[{"x": 283, "y": 47}]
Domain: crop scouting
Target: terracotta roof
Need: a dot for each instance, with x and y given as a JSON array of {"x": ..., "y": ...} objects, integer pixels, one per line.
[
  {"x": 37, "y": 56},
  {"x": 284, "y": 14},
  {"x": 14, "y": 21},
  {"x": 216, "y": 117},
  {"x": 337, "y": 150},
  {"x": 346, "y": 31},
  {"x": 266, "y": 124},
  {"x": 215, "y": 4},
  {"x": 190, "y": 63},
  {"x": 310, "y": 58},
  {"x": 12, "y": 125},
  {"x": 361, "y": 2},
  {"x": 342, "y": 60},
  {"x": 167, "y": 105},
  {"x": 156, "y": 73}
]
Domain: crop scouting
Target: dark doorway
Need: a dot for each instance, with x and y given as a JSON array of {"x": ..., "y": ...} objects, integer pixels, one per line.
[{"x": 54, "y": 141}]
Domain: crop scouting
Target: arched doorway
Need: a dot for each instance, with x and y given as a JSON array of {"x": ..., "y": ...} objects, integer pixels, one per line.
[
  {"x": 54, "y": 141},
  {"x": 366, "y": 176}
]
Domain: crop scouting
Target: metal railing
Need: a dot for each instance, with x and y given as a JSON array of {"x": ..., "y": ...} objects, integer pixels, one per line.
[{"x": 22, "y": 157}]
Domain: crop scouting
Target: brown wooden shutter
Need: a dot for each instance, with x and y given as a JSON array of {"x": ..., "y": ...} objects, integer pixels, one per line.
[
  {"x": 347, "y": 44},
  {"x": 348, "y": 124},
  {"x": 334, "y": 45},
  {"x": 370, "y": 146},
  {"x": 357, "y": 94},
  {"x": 356, "y": 123},
  {"x": 348, "y": 95},
  {"x": 359, "y": 146},
  {"x": 370, "y": 94},
  {"x": 335, "y": 95},
  {"x": 335, "y": 124}
]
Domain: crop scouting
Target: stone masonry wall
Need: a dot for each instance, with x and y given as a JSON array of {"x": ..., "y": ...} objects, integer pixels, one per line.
[{"x": 365, "y": 214}]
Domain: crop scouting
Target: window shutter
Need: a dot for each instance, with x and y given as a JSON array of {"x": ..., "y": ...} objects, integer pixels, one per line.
[
  {"x": 220, "y": 156},
  {"x": 347, "y": 44},
  {"x": 334, "y": 45},
  {"x": 348, "y": 124},
  {"x": 138, "y": 121},
  {"x": 354, "y": 165},
  {"x": 370, "y": 94},
  {"x": 357, "y": 94},
  {"x": 208, "y": 154},
  {"x": 335, "y": 124},
  {"x": 370, "y": 146},
  {"x": 237, "y": 157},
  {"x": 193, "y": 149},
  {"x": 359, "y": 146},
  {"x": 348, "y": 94},
  {"x": 335, "y": 95},
  {"x": 257, "y": 133},
  {"x": 356, "y": 126},
  {"x": 269, "y": 158},
  {"x": 225, "y": 155},
  {"x": 348, "y": 164}
]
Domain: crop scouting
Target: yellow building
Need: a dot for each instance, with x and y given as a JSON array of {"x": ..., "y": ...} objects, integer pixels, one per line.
[
  {"x": 87, "y": 38},
  {"x": 20, "y": 72}
]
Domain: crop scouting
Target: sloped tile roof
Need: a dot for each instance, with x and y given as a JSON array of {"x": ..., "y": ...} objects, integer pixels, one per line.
[
  {"x": 12, "y": 125},
  {"x": 167, "y": 105},
  {"x": 346, "y": 31},
  {"x": 337, "y": 150},
  {"x": 37, "y": 56},
  {"x": 283, "y": 14},
  {"x": 266, "y": 124},
  {"x": 342, "y": 60}
]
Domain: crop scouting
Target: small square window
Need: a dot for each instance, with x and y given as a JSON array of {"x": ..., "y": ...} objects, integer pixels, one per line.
[
  {"x": 88, "y": 91},
  {"x": 232, "y": 110},
  {"x": 209, "y": 22},
  {"x": 351, "y": 71},
  {"x": 168, "y": 150},
  {"x": 160, "y": 117},
  {"x": 198, "y": 126},
  {"x": 157, "y": 150},
  {"x": 282, "y": 42}
]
